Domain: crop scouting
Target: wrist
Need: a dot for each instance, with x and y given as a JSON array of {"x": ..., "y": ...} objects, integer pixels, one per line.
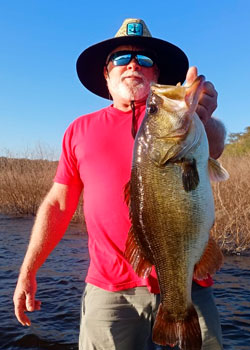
[{"x": 27, "y": 272}]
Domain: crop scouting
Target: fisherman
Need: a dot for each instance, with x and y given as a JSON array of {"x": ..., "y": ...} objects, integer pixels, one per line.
[{"x": 118, "y": 307}]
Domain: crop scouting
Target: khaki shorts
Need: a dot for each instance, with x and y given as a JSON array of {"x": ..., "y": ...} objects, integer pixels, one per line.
[{"x": 123, "y": 320}]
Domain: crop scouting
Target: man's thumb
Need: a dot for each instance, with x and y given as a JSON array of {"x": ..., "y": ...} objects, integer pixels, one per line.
[
  {"x": 30, "y": 302},
  {"x": 191, "y": 75}
]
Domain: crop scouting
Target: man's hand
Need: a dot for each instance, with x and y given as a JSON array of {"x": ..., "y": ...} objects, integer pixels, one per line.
[
  {"x": 215, "y": 130},
  {"x": 208, "y": 99},
  {"x": 24, "y": 298}
]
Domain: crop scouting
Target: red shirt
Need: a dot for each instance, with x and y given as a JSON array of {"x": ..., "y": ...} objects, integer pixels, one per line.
[{"x": 97, "y": 152}]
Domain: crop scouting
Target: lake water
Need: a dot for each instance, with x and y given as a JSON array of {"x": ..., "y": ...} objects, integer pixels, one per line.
[{"x": 61, "y": 282}]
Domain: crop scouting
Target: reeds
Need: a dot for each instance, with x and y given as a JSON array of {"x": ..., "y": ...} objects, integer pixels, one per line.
[
  {"x": 24, "y": 183},
  {"x": 232, "y": 203}
]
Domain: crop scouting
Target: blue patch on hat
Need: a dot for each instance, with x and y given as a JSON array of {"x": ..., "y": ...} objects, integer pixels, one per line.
[{"x": 135, "y": 29}]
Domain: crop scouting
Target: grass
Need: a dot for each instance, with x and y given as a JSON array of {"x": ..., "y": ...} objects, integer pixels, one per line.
[
  {"x": 232, "y": 203},
  {"x": 24, "y": 183}
]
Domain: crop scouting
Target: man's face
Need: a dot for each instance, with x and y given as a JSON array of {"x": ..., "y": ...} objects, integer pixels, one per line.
[{"x": 130, "y": 82}]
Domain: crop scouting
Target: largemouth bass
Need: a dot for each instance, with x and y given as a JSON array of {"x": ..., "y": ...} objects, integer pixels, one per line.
[{"x": 172, "y": 208}]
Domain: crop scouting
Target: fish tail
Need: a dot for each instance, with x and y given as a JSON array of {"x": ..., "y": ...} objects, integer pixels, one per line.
[{"x": 186, "y": 333}]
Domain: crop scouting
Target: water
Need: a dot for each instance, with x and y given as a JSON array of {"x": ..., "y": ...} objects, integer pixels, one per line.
[
  {"x": 232, "y": 291},
  {"x": 60, "y": 285}
]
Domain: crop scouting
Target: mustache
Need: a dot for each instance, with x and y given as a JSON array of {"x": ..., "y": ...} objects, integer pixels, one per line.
[{"x": 132, "y": 74}]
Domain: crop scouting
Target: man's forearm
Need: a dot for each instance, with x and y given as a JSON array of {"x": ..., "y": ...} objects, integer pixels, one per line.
[
  {"x": 216, "y": 134},
  {"x": 50, "y": 225}
]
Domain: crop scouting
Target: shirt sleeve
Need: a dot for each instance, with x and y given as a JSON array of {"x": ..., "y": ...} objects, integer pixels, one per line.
[{"x": 67, "y": 171}]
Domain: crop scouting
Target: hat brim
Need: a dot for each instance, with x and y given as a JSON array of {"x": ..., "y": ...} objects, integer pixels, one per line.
[{"x": 171, "y": 61}]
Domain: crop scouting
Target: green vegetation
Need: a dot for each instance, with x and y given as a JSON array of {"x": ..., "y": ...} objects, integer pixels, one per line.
[{"x": 238, "y": 143}]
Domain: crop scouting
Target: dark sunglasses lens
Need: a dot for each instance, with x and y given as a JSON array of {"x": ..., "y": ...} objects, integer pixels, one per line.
[
  {"x": 144, "y": 61},
  {"x": 121, "y": 60}
]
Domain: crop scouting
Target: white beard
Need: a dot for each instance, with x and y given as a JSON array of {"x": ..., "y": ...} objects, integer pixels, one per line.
[{"x": 132, "y": 90}]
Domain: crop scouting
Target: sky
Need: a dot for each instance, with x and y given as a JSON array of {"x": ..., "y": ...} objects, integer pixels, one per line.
[{"x": 40, "y": 41}]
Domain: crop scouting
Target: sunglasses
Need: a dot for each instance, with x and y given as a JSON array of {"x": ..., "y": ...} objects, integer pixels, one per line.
[{"x": 122, "y": 58}]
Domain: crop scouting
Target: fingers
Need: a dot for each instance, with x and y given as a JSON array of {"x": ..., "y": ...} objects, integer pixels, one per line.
[
  {"x": 20, "y": 308},
  {"x": 207, "y": 102},
  {"x": 38, "y": 304},
  {"x": 209, "y": 89},
  {"x": 30, "y": 302},
  {"x": 24, "y": 304},
  {"x": 23, "y": 319}
]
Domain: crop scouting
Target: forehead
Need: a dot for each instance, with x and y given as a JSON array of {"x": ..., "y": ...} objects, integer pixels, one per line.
[{"x": 127, "y": 47}]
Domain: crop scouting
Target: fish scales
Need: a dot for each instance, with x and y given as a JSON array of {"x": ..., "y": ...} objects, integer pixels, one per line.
[
  {"x": 172, "y": 208},
  {"x": 162, "y": 225}
]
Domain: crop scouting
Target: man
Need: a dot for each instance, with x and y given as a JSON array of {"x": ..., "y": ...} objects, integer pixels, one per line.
[{"x": 118, "y": 307}]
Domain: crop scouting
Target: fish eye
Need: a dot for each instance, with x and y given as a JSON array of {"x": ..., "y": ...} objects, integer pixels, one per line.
[{"x": 152, "y": 108}]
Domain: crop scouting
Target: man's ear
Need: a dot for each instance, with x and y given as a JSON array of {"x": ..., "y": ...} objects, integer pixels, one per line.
[
  {"x": 157, "y": 73},
  {"x": 105, "y": 72}
]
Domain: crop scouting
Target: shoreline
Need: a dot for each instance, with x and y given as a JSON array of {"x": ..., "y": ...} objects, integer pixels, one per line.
[{"x": 226, "y": 252}]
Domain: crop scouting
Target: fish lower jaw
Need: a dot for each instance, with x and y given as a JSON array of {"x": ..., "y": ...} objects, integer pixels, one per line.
[
  {"x": 177, "y": 135},
  {"x": 176, "y": 138}
]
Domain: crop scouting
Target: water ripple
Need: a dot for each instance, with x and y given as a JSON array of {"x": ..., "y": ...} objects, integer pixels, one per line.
[{"x": 60, "y": 285}]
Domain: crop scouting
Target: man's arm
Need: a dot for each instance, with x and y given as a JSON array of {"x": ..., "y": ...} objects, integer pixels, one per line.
[
  {"x": 216, "y": 134},
  {"x": 51, "y": 223}
]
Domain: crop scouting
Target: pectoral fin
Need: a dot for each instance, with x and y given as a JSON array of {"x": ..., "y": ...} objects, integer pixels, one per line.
[
  {"x": 216, "y": 171},
  {"x": 190, "y": 175}
]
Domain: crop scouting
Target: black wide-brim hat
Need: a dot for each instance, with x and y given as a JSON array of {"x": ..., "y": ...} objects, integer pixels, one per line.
[{"x": 171, "y": 60}]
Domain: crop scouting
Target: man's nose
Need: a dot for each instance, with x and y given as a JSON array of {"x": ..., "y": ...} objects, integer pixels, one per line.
[{"x": 133, "y": 65}]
